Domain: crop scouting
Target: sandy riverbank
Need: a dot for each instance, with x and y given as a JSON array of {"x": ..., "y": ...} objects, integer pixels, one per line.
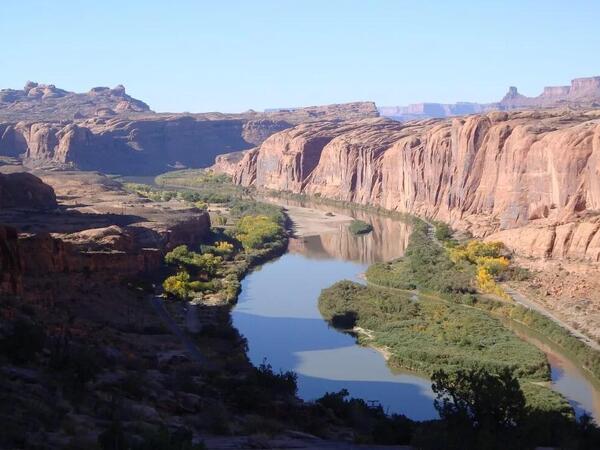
[{"x": 312, "y": 221}]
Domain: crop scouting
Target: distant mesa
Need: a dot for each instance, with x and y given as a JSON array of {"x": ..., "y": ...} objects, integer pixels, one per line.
[
  {"x": 47, "y": 102},
  {"x": 583, "y": 92}
]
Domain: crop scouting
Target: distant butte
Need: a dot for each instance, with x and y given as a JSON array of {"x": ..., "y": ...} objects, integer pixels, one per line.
[{"x": 583, "y": 92}]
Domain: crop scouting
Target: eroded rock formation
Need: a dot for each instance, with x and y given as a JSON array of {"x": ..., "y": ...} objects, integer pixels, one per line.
[
  {"x": 26, "y": 191},
  {"x": 46, "y": 101},
  {"x": 97, "y": 233},
  {"x": 107, "y": 130},
  {"x": 528, "y": 178}
]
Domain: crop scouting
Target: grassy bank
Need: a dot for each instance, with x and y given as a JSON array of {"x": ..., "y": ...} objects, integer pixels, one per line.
[
  {"x": 448, "y": 325},
  {"x": 426, "y": 335}
]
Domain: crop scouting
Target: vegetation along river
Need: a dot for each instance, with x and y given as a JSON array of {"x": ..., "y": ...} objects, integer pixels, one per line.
[{"x": 278, "y": 314}]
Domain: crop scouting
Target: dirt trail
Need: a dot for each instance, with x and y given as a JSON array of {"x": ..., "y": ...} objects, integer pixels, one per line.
[{"x": 530, "y": 304}]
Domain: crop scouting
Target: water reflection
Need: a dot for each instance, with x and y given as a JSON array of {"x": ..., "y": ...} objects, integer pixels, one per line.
[
  {"x": 387, "y": 241},
  {"x": 568, "y": 378},
  {"x": 277, "y": 312}
]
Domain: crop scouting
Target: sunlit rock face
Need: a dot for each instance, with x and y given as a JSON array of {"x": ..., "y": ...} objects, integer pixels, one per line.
[
  {"x": 515, "y": 176},
  {"x": 109, "y": 131}
]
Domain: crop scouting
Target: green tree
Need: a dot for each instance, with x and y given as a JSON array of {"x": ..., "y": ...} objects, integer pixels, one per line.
[
  {"x": 482, "y": 409},
  {"x": 256, "y": 231},
  {"x": 178, "y": 285}
]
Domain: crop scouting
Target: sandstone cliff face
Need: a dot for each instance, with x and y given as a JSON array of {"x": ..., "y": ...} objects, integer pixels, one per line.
[
  {"x": 154, "y": 143},
  {"x": 123, "y": 145},
  {"x": 11, "y": 272},
  {"x": 508, "y": 175}
]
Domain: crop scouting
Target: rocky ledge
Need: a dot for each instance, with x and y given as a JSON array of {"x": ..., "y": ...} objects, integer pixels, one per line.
[{"x": 95, "y": 233}]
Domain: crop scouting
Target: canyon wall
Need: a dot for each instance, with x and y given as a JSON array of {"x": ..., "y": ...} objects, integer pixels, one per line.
[
  {"x": 528, "y": 178},
  {"x": 148, "y": 144}
]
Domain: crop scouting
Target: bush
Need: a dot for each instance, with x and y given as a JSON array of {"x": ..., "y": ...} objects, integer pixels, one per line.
[
  {"x": 206, "y": 263},
  {"x": 443, "y": 232},
  {"x": 178, "y": 285},
  {"x": 428, "y": 335},
  {"x": 256, "y": 232},
  {"x": 360, "y": 227}
]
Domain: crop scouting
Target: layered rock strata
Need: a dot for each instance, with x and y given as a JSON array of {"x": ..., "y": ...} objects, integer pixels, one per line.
[
  {"x": 97, "y": 232},
  {"x": 528, "y": 178}
]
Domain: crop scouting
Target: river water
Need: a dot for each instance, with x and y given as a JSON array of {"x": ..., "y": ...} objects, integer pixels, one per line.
[{"x": 278, "y": 313}]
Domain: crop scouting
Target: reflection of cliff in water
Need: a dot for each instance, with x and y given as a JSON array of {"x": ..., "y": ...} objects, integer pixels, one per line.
[{"x": 387, "y": 241}]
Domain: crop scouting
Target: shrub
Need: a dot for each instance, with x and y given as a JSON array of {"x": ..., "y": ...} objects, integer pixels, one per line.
[
  {"x": 256, "y": 231},
  {"x": 178, "y": 285},
  {"x": 443, "y": 232},
  {"x": 206, "y": 263},
  {"x": 360, "y": 227}
]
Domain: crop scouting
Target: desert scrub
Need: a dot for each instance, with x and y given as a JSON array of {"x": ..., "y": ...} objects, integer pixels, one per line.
[
  {"x": 203, "y": 185},
  {"x": 584, "y": 354},
  {"x": 360, "y": 227},
  {"x": 489, "y": 261}
]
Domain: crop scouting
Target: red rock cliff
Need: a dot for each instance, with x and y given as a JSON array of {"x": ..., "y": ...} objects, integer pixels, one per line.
[{"x": 520, "y": 176}]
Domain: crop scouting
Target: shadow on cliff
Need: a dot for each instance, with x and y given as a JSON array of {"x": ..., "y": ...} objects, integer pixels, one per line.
[{"x": 64, "y": 220}]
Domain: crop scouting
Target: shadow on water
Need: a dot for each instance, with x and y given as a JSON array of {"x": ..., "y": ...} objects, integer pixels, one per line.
[
  {"x": 278, "y": 314},
  {"x": 327, "y": 360}
]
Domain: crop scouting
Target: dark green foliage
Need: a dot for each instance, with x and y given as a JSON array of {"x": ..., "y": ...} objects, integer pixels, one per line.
[
  {"x": 282, "y": 383},
  {"x": 479, "y": 399},
  {"x": 240, "y": 208},
  {"x": 483, "y": 410},
  {"x": 360, "y": 227},
  {"x": 428, "y": 335},
  {"x": 369, "y": 423},
  {"x": 425, "y": 265},
  {"x": 443, "y": 232},
  {"x": 115, "y": 438},
  {"x": 204, "y": 185},
  {"x": 584, "y": 354},
  {"x": 261, "y": 390}
]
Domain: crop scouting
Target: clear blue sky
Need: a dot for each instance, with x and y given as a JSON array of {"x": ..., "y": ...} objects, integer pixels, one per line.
[{"x": 233, "y": 55}]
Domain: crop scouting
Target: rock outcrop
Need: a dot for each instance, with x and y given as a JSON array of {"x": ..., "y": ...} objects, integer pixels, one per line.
[
  {"x": 98, "y": 231},
  {"x": 529, "y": 178},
  {"x": 25, "y": 191},
  {"x": 47, "y": 102},
  {"x": 581, "y": 92}
]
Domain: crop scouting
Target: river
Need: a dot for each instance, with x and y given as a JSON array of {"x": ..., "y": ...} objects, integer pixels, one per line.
[{"x": 277, "y": 312}]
